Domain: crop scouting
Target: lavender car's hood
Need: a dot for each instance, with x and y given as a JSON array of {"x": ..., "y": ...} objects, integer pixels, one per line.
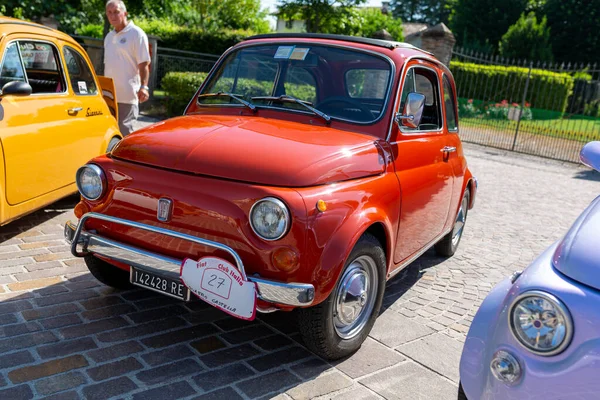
[{"x": 578, "y": 254}]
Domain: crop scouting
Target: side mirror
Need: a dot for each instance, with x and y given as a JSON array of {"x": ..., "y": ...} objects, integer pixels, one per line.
[
  {"x": 590, "y": 155},
  {"x": 16, "y": 88},
  {"x": 413, "y": 111}
]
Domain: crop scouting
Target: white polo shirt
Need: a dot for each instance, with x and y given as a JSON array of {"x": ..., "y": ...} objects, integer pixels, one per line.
[{"x": 123, "y": 52}]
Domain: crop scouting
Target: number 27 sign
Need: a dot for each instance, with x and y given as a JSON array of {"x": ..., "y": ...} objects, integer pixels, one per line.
[{"x": 220, "y": 283}]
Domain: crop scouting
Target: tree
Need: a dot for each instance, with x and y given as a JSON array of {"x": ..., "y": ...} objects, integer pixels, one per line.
[
  {"x": 323, "y": 16},
  {"x": 372, "y": 20},
  {"x": 527, "y": 39},
  {"x": 429, "y": 12},
  {"x": 479, "y": 24},
  {"x": 575, "y": 27}
]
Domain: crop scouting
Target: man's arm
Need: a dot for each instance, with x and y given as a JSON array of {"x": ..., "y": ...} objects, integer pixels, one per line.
[{"x": 144, "y": 69}]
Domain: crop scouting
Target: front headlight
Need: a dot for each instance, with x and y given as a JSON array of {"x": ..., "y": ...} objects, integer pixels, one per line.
[
  {"x": 269, "y": 218},
  {"x": 90, "y": 181},
  {"x": 541, "y": 323}
]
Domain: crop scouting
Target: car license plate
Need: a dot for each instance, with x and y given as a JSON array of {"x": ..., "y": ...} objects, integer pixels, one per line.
[{"x": 161, "y": 284}]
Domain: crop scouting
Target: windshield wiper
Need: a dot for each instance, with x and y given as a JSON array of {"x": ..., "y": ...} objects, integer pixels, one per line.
[
  {"x": 236, "y": 97},
  {"x": 291, "y": 99}
]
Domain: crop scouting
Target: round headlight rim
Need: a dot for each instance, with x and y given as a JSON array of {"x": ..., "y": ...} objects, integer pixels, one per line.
[
  {"x": 556, "y": 302},
  {"x": 99, "y": 172},
  {"x": 286, "y": 212}
]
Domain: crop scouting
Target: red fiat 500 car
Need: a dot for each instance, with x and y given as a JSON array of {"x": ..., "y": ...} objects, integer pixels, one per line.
[{"x": 306, "y": 171}]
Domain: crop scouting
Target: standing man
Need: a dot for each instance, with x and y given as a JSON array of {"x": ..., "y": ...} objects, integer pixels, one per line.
[{"x": 126, "y": 61}]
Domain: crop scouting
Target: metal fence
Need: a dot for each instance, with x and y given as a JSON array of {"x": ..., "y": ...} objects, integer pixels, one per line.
[{"x": 528, "y": 109}]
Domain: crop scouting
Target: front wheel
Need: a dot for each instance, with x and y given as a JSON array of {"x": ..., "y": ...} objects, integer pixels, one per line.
[
  {"x": 107, "y": 273},
  {"x": 339, "y": 325},
  {"x": 449, "y": 243}
]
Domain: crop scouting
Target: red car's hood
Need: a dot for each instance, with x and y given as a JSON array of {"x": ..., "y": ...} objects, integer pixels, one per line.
[{"x": 254, "y": 149}]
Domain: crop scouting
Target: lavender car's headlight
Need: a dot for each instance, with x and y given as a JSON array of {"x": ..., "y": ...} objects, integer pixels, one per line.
[
  {"x": 541, "y": 323},
  {"x": 90, "y": 181},
  {"x": 269, "y": 218}
]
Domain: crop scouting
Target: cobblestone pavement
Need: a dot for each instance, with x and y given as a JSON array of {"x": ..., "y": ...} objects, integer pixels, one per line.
[{"x": 64, "y": 335}]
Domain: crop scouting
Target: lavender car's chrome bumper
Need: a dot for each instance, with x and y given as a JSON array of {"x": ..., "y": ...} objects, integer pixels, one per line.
[
  {"x": 84, "y": 242},
  {"x": 570, "y": 374}
]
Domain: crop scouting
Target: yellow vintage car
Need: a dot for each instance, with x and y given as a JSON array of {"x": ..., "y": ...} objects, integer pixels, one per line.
[{"x": 55, "y": 114}]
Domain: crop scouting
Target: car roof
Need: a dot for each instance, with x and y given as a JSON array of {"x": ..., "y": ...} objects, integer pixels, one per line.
[
  {"x": 388, "y": 44},
  {"x": 9, "y": 25}
]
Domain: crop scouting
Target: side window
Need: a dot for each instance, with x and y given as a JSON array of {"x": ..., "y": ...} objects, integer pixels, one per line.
[
  {"x": 424, "y": 81},
  {"x": 41, "y": 61},
  {"x": 450, "y": 105},
  {"x": 300, "y": 84},
  {"x": 12, "y": 68},
  {"x": 80, "y": 74},
  {"x": 367, "y": 83}
]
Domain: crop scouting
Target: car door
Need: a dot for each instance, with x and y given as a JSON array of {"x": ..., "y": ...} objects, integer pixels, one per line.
[
  {"x": 422, "y": 168},
  {"x": 37, "y": 130}
]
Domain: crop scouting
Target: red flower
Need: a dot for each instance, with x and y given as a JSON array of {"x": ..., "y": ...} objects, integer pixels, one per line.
[
  {"x": 470, "y": 101},
  {"x": 504, "y": 102},
  {"x": 527, "y": 104},
  {"x": 515, "y": 104}
]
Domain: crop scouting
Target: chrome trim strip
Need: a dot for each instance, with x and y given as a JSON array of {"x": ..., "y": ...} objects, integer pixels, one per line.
[
  {"x": 83, "y": 242},
  {"x": 401, "y": 267}
]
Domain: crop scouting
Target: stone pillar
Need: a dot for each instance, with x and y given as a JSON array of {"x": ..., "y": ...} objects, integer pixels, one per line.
[{"x": 438, "y": 40}]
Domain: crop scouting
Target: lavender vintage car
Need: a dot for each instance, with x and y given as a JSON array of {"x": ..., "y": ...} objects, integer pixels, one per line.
[{"x": 537, "y": 334}]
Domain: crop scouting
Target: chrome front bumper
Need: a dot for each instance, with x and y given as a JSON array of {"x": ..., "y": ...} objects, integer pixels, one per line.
[{"x": 84, "y": 242}]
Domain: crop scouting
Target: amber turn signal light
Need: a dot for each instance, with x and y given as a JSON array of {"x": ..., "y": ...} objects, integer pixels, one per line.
[
  {"x": 81, "y": 209},
  {"x": 321, "y": 205},
  {"x": 285, "y": 259}
]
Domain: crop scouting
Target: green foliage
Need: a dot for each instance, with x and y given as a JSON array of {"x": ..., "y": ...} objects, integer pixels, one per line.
[
  {"x": 322, "y": 16},
  {"x": 429, "y": 12},
  {"x": 179, "y": 88},
  {"x": 91, "y": 30},
  {"x": 503, "y": 82},
  {"x": 575, "y": 27},
  {"x": 527, "y": 39},
  {"x": 479, "y": 24},
  {"x": 371, "y": 20}
]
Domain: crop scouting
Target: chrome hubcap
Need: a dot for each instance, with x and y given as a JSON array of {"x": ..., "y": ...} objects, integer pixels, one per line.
[
  {"x": 355, "y": 297},
  {"x": 459, "y": 224}
]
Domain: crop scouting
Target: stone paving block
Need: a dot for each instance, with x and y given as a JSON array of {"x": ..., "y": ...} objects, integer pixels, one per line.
[
  {"x": 66, "y": 347},
  {"x": 225, "y": 393},
  {"x": 393, "y": 329},
  {"x": 59, "y": 383},
  {"x": 107, "y": 389},
  {"x": 19, "y": 329},
  {"x": 205, "y": 315},
  {"x": 16, "y": 359},
  {"x": 216, "y": 378},
  {"x": 100, "y": 302},
  {"x": 174, "y": 370},
  {"x": 269, "y": 383},
  {"x": 106, "y": 312},
  {"x": 115, "y": 351},
  {"x": 409, "y": 381},
  {"x": 167, "y": 355},
  {"x": 21, "y": 392},
  {"x": 65, "y": 298},
  {"x": 180, "y": 335},
  {"x": 157, "y": 313},
  {"x": 46, "y": 312},
  {"x": 273, "y": 342},
  {"x": 355, "y": 392},
  {"x": 279, "y": 358},
  {"x": 171, "y": 391},
  {"x": 438, "y": 352},
  {"x": 320, "y": 386},
  {"x": 70, "y": 395},
  {"x": 93, "y": 327},
  {"x": 310, "y": 368},
  {"x": 28, "y": 340},
  {"x": 6, "y": 319},
  {"x": 371, "y": 357},
  {"x": 61, "y": 321},
  {"x": 114, "y": 369},
  {"x": 38, "y": 266},
  {"x": 226, "y": 356},
  {"x": 50, "y": 290},
  {"x": 48, "y": 368},
  {"x": 247, "y": 334},
  {"x": 34, "y": 284},
  {"x": 140, "y": 330},
  {"x": 208, "y": 344}
]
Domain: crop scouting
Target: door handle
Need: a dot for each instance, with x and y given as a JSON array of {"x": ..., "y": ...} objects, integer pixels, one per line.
[
  {"x": 448, "y": 149},
  {"x": 74, "y": 110}
]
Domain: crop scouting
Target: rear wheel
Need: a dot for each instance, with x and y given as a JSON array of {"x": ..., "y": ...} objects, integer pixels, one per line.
[
  {"x": 449, "y": 243},
  {"x": 339, "y": 325},
  {"x": 107, "y": 273}
]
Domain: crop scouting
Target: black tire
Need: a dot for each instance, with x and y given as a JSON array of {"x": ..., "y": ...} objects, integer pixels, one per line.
[
  {"x": 107, "y": 273},
  {"x": 317, "y": 324},
  {"x": 461, "y": 393},
  {"x": 449, "y": 243},
  {"x": 113, "y": 142}
]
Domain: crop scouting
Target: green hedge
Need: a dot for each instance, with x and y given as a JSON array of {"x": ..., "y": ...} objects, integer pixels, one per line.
[
  {"x": 180, "y": 87},
  {"x": 547, "y": 90}
]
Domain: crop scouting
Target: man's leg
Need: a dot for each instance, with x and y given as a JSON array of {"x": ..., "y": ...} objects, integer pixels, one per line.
[{"x": 128, "y": 113}]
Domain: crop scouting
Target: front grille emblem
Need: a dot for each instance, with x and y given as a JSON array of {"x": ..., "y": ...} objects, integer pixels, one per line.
[{"x": 163, "y": 212}]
